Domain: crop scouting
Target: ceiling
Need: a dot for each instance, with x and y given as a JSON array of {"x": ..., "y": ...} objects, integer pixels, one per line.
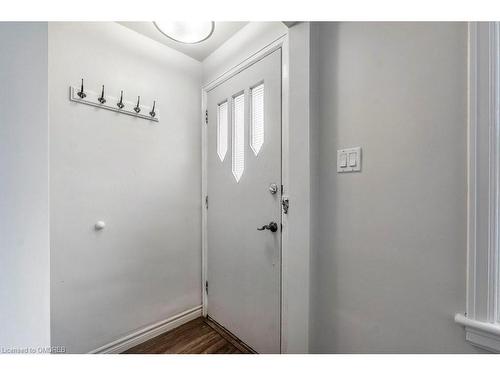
[{"x": 223, "y": 31}]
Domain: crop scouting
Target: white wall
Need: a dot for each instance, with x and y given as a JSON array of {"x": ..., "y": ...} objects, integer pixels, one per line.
[
  {"x": 389, "y": 265},
  {"x": 142, "y": 179},
  {"x": 24, "y": 187},
  {"x": 246, "y": 42}
]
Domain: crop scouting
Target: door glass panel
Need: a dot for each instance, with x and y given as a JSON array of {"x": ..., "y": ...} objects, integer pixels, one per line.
[
  {"x": 257, "y": 119},
  {"x": 222, "y": 128},
  {"x": 238, "y": 136}
]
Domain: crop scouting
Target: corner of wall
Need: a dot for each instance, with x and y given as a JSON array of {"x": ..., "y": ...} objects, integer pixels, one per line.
[
  {"x": 314, "y": 170},
  {"x": 298, "y": 260},
  {"x": 24, "y": 200}
]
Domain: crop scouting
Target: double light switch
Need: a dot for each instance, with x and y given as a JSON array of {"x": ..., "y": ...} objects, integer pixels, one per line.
[{"x": 349, "y": 160}]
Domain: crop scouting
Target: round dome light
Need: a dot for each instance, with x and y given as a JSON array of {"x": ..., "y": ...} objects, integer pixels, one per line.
[{"x": 186, "y": 32}]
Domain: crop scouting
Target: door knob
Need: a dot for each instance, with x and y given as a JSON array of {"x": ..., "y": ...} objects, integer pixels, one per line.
[{"x": 272, "y": 226}]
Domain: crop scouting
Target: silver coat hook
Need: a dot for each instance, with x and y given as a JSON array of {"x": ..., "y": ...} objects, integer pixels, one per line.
[
  {"x": 101, "y": 99},
  {"x": 137, "y": 109},
  {"x": 120, "y": 103},
  {"x": 153, "y": 113},
  {"x": 80, "y": 93}
]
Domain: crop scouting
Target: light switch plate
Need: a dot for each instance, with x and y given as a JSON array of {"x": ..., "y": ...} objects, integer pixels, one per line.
[{"x": 349, "y": 160}]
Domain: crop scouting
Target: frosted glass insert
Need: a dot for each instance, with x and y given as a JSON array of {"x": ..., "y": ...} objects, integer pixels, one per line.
[
  {"x": 238, "y": 136},
  {"x": 222, "y": 128},
  {"x": 257, "y": 126}
]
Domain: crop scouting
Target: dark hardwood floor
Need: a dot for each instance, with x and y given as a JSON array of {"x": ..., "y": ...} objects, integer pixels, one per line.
[{"x": 199, "y": 336}]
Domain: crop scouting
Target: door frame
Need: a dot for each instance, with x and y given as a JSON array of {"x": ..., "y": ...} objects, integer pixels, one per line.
[{"x": 280, "y": 43}]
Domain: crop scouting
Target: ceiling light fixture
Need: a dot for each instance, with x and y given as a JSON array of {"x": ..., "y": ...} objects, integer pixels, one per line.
[{"x": 186, "y": 32}]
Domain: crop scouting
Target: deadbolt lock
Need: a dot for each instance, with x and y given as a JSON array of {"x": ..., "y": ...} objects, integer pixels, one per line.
[
  {"x": 285, "y": 203},
  {"x": 273, "y": 188}
]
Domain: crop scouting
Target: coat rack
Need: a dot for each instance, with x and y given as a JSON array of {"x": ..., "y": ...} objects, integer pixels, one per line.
[{"x": 79, "y": 94}]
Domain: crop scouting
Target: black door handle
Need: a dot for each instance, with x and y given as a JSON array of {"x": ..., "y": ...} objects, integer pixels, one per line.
[{"x": 272, "y": 226}]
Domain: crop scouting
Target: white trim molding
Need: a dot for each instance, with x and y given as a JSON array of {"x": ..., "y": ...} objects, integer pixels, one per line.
[
  {"x": 482, "y": 316},
  {"x": 484, "y": 335},
  {"x": 147, "y": 333}
]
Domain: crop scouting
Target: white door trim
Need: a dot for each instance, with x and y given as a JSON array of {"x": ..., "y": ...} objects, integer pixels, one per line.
[
  {"x": 482, "y": 316},
  {"x": 280, "y": 43}
]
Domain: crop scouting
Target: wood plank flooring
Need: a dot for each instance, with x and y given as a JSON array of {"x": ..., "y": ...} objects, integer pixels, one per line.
[{"x": 194, "y": 337}]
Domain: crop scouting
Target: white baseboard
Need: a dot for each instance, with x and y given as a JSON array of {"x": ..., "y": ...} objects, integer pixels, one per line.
[
  {"x": 144, "y": 334},
  {"x": 483, "y": 334}
]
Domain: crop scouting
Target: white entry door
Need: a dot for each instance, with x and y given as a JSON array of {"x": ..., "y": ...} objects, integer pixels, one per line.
[{"x": 244, "y": 204}]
